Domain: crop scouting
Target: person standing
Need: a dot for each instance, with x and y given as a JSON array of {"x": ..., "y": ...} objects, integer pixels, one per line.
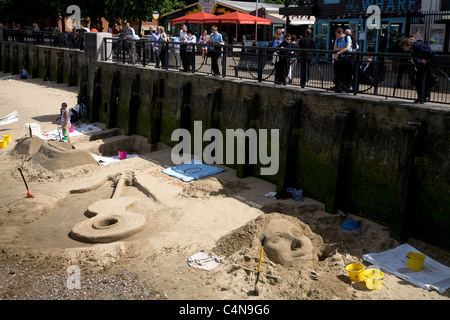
[
  {"x": 344, "y": 63},
  {"x": 422, "y": 56},
  {"x": 355, "y": 45},
  {"x": 216, "y": 51},
  {"x": 163, "y": 48},
  {"x": 190, "y": 40},
  {"x": 306, "y": 43},
  {"x": 65, "y": 121},
  {"x": 293, "y": 60},
  {"x": 203, "y": 39},
  {"x": 129, "y": 34},
  {"x": 155, "y": 47},
  {"x": 282, "y": 65},
  {"x": 277, "y": 38},
  {"x": 183, "y": 46},
  {"x": 37, "y": 33}
]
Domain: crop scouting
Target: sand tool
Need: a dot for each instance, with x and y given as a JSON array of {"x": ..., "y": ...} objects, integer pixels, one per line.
[
  {"x": 259, "y": 266},
  {"x": 28, "y": 191}
]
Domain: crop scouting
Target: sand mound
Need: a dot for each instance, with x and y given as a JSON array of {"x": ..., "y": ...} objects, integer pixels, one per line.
[
  {"x": 52, "y": 161},
  {"x": 28, "y": 147},
  {"x": 250, "y": 235},
  {"x": 60, "y": 155},
  {"x": 23, "y": 211},
  {"x": 211, "y": 187}
]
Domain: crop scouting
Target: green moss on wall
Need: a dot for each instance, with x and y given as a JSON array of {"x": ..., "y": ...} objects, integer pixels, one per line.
[
  {"x": 371, "y": 191},
  {"x": 432, "y": 214},
  {"x": 312, "y": 173}
]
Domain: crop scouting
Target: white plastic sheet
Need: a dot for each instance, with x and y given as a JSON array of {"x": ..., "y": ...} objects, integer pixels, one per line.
[
  {"x": 205, "y": 261},
  {"x": 433, "y": 275}
]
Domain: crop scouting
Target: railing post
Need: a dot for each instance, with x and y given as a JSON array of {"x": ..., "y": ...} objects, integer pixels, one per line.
[
  {"x": 143, "y": 52},
  {"x": 105, "y": 47},
  {"x": 224, "y": 61},
  {"x": 303, "y": 70},
  {"x": 260, "y": 63},
  {"x": 356, "y": 66},
  {"x": 122, "y": 43}
]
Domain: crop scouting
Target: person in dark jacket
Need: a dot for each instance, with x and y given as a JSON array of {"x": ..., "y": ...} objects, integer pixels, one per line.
[
  {"x": 282, "y": 65},
  {"x": 367, "y": 71},
  {"x": 306, "y": 43},
  {"x": 422, "y": 56}
]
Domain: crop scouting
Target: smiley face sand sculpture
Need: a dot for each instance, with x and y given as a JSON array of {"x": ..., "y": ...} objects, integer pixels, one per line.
[{"x": 286, "y": 244}]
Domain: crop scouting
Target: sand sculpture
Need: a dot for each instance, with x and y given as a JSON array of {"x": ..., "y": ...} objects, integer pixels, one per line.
[
  {"x": 286, "y": 244},
  {"x": 109, "y": 219},
  {"x": 289, "y": 241},
  {"x": 52, "y": 155}
]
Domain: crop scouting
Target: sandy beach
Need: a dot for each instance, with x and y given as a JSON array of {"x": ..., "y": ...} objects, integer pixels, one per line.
[{"x": 220, "y": 215}]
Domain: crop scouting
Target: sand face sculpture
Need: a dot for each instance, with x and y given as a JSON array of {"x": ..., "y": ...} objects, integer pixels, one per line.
[
  {"x": 109, "y": 219},
  {"x": 286, "y": 244}
]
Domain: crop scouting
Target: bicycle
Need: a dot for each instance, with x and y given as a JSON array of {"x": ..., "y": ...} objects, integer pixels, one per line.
[
  {"x": 440, "y": 80},
  {"x": 80, "y": 113},
  {"x": 378, "y": 76}
]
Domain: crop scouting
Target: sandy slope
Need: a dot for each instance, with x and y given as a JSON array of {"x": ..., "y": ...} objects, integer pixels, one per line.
[{"x": 221, "y": 215}]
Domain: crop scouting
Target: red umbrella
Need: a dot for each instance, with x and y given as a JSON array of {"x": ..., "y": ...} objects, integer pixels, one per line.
[
  {"x": 237, "y": 18},
  {"x": 194, "y": 18}
]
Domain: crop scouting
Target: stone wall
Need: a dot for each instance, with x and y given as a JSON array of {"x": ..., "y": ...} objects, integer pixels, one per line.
[
  {"x": 55, "y": 64},
  {"x": 386, "y": 160}
]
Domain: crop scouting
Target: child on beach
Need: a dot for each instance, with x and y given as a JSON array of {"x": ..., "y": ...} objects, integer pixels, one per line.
[{"x": 65, "y": 121}]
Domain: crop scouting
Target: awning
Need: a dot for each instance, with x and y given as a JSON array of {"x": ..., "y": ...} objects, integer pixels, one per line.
[
  {"x": 275, "y": 18},
  {"x": 238, "y": 18},
  {"x": 296, "y": 20},
  {"x": 194, "y": 18}
]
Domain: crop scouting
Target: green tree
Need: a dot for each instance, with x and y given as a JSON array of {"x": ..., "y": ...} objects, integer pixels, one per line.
[
  {"x": 26, "y": 12},
  {"x": 139, "y": 10}
]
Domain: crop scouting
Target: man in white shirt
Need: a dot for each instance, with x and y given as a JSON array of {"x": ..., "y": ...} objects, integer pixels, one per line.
[
  {"x": 183, "y": 53},
  {"x": 129, "y": 34}
]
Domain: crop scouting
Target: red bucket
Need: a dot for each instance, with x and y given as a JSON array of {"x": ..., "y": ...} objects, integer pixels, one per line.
[{"x": 122, "y": 155}]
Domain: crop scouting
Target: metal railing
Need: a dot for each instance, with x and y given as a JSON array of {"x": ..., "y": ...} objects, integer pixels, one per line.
[
  {"x": 48, "y": 38},
  {"x": 392, "y": 75}
]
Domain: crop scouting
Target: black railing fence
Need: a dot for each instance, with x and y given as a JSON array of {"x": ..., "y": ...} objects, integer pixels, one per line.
[
  {"x": 71, "y": 40},
  {"x": 391, "y": 75}
]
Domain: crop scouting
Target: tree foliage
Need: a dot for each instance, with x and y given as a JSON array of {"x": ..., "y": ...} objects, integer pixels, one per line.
[
  {"x": 26, "y": 12},
  {"x": 111, "y": 10}
]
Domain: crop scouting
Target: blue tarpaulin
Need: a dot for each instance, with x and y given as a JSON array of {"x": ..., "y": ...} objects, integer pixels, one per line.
[{"x": 192, "y": 171}]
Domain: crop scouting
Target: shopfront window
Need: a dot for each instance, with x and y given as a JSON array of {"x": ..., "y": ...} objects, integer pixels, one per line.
[
  {"x": 387, "y": 38},
  {"x": 371, "y": 40},
  {"x": 321, "y": 36},
  {"x": 396, "y": 34}
]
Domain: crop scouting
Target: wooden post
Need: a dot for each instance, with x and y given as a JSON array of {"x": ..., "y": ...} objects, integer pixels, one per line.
[
  {"x": 412, "y": 142},
  {"x": 340, "y": 155}
]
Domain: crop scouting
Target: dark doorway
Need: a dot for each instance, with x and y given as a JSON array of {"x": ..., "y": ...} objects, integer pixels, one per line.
[
  {"x": 156, "y": 112},
  {"x": 114, "y": 103},
  {"x": 135, "y": 103},
  {"x": 96, "y": 104}
]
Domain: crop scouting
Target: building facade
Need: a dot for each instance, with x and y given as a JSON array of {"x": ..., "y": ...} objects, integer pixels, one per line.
[
  {"x": 378, "y": 25},
  {"x": 219, "y": 7}
]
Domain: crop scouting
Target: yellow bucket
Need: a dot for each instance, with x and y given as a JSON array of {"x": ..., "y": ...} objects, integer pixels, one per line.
[
  {"x": 415, "y": 260},
  {"x": 373, "y": 278},
  {"x": 2, "y": 144},
  {"x": 7, "y": 137},
  {"x": 355, "y": 272}
]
